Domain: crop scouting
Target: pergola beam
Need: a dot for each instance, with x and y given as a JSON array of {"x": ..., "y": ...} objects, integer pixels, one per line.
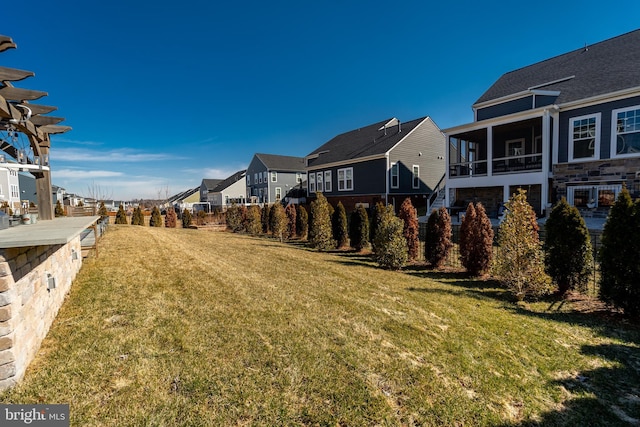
[
  {"x": 45, "y": 120},
  {"x": 21, "y": 95},
  {"x": 6, "y": 43},
  {"x": 13, "y": 74}
]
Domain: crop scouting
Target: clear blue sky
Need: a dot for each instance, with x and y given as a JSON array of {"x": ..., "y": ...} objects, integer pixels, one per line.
[{"x": 162, "y": 94}]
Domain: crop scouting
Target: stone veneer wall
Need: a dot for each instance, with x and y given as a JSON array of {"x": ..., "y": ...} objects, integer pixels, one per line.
[
  {"x": 27, "y": 307},
  {"x": 602, "y": 172}
]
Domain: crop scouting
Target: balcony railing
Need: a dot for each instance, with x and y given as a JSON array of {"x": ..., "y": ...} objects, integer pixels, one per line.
[
  {"x": 476, "y": 168},
  {"x": 511, "y": 164}
]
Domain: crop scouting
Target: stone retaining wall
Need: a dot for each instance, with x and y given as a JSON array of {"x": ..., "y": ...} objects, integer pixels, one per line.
[{"x": 27, "y": 305}]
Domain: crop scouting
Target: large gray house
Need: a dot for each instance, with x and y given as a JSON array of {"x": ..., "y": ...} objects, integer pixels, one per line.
[
  {"x": 382, "y": 162},
  {"x": 567, "y": 126},
  {"x": 271, "y": 178}
]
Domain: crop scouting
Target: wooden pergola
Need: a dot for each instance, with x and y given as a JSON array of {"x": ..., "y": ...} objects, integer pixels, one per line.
[{"x": 20, "y": 115}]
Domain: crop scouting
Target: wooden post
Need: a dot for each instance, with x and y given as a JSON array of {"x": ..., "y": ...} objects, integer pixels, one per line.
[{"x": 43, "y": 187}]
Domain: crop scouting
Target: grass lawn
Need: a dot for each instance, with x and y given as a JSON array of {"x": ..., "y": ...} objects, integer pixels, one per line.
[{"x": 186, "y": 327}]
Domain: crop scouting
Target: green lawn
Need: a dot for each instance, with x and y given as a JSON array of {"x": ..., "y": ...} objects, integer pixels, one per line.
[{"x": 187, "y": 327}]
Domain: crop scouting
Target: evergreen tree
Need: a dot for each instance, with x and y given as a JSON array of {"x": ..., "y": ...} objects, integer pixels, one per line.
[
  {"x": 137, "y": 218},
  {"x": 438, "y": 238},
  {"x": 121, "y": 215},
  {"x": 102, "y": 211},
  {"x": 376, "y": 213},
  {"x": 156, "y": 217},
  {"x": 520, "y": 261},
  {"x": 340, "y": 226},
  {"x": 264, "y": 218},
  {"x": 186, "y": 218},
  {"x": 320, "y": 233},
  {"x": 278, "y": 221},
  {"x": 59, "y": 211},
  {"x": 290, "y": 211},
  {"x": 476, "y": 240},
  {"x": 359, "y": 229},
  {"x": 234, "y": 218},
  {"x": 568, "y": 251},
  {"x": 619, "y": 267},
  {"x": 302, "y": 222},
  {"x": 411, "y": 228},
  {"x": 253, "y": 223},
  {"x": 391, "y": 246},
  {"x": 170, "y": 219}
]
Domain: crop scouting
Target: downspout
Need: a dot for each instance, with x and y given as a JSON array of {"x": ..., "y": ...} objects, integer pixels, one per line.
[{"x": 386, "y": 191}]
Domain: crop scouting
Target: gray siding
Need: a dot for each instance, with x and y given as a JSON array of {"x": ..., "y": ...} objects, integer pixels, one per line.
[
  {"x": 605, "y": 126},
  {"x": 425, "y": 147},
  {"x": 505, "y": 108},
  {"x": 542, "y": 100},
  {"x": 286, "y": 180},
  {"x": 368, "y": 178}
]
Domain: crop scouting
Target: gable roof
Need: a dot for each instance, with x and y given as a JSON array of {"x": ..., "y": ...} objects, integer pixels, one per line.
[
  {"x": 210, "y": 184},
  {"x": 605, "y": 67},
  {"x": 371, "y": 140},
  {"x": 183, "y": 195},
  {"x": 229, "y": 181},
  {"x": 282, "y": 163}
]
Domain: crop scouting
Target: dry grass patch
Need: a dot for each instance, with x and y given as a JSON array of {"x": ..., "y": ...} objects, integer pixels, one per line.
[{"x": 184, "y": 327}]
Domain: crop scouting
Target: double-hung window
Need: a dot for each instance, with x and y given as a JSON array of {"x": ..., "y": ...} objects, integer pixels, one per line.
[
  {"x": 278, "y": 194},
  {"x": 625, "y": 131},
  {"x": 327, "y": 181},
  {"x": 345, "y": 179},
  {"x": 319, "y": 181},
  {"x": 255, "y": 178},
  {"x": 264, "y": 177},
  {"x": 248, "y": 179},
  {"x": 395, "y": 175},
  {"x": 274, "y": 176},
  {"x": 14, "y": 191},
  {"x": 312, "y": 182},
  {"x": 298, "y": 177},
  {"x": 584, "y": 137},
  {"x": 415, "y": 183}
]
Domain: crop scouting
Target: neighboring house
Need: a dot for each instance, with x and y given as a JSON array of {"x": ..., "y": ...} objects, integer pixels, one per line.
[
  {"x": 231, "y": 190},
  {"x": 272, "y": 178},
  {"x": 567, "y": 126},
  {"x": 10, "y": 188},
  {"x": 206, "y": 190},
  {"x": 28, "y": 192},
  {"x": 384, "y": 162},
  {"x": 58, "y": 194},
  {"x": 185, "y": 199}
]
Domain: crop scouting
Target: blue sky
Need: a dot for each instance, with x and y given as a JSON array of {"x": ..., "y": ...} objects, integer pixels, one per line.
[{"x": 161, "y": 94}]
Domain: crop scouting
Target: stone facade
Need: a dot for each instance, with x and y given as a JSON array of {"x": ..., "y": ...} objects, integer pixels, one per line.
[
  {"x": 602, "y": 172},
  {"x": 28, "y": 303}
]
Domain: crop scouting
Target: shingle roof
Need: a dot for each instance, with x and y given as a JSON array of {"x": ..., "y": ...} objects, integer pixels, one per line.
[
  {"x": 183, "y": 195},
  {"x": 230, "y": 180},
  {"x": 210, "y": 184},
  {"x": 368, "y": 141},
  {"x": 282, "y": 163},
  {"x": 602, "y": 68}
]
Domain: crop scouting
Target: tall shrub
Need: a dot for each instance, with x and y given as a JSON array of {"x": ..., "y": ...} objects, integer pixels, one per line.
[
  {"x": 59, "y": 211},
  {"x": 340, "y": 226},
  {"x": 320, "y": 233},
  {"x": 234, "y": 218},
  {"x": 391, "y": 246},
  {"x": 156, "y": 217},
  {"x": 476, "y": 240},
  {"x": 264, "y": 218},
  {"x": 568, "y": 251},
  {"x": 359, "y": 229},
  {"x": 278, "y": 221},
  {"x": 137, "y": 218},
  {"x": 171, "y": 218},
  {"x": 438, "y": 238},
  {"x": 619, "y": 267},
  {"x": 520, "y": 260},
  {"x": 410, "y": 230},
  {"x": 302, "y": 222},
  {"x": 376, "y": 213},
  {"x": 186, "y": 218},
  {"x": 102, "y": 211},
  {"x": 121, "y": 215},
  {"x": 290, "y": 212}
]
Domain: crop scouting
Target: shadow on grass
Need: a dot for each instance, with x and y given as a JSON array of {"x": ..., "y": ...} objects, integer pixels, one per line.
[{"x": 606, "y": 396}]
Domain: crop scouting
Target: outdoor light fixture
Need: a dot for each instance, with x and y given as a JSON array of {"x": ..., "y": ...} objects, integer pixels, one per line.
[
  {"x": 51, "y": 281},
  {"x": 3, "y": 159},
  {"x": 22, "y": 156},
  {"x": 74, "y": 255}
]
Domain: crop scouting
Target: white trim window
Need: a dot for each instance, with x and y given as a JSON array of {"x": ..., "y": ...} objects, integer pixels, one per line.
[
  {"x": 415, "y": 181},
  {"x": 319, "y": 181},
  {"x": 15, "y": 193},
  {"x": 278, "y": 194},
  {"x": 248, "y": 179},
  {"x": 259, "y": 177},
  {"x": 298, "y": 177},
  {"x": 327, "y": 181},
  {"x": 593, "y": 196},
  {"x": 625, "y": 132},
  {"x": 312, "y": 183},
  {"x": 345, "y": 179},
  {"x": 255, "y": 178},
  {"x": 264, "y": 177},
  {"x": 274, "y": 176},
  {"x": 395, "y": 175},
  {"x": 584, "y": 137}
]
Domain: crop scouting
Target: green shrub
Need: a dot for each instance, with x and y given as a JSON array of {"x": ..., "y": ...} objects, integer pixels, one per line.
[
  {"x": 359, "y": 229},
  {"x": 290, "y": 212},
  {"x": 390, "y": 244},
  {"x": 264, "y": 218},
  {"x": 410, "y": 231},
  {"x": 619, "y": 266},
  {"x": 102, "y": 211},
  {"x": 302, "y": 222},
  {"x": 476, "y": 240},
  {"x": 278, "y": 221},
  {"x": 376, "y": 213},
  {"x": 235, "y": 218},
  {"x": 137, "y": 218},
  {"x": 156, "y": 217},
  {"x": 340, "y": 226},
  {"x": 520, "y": 261},
  {"x": 121, "y": 215},
  {"x": 253, "y": 223},
  {"x": 568, "y": 251},
  {"x": 438, "y": 238},
  {"x": 171, "y": 218},
  {"x": 186, "y": 218},
  {"x": 59, "y": 211},
  {"x": 320, "y": 233}
]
